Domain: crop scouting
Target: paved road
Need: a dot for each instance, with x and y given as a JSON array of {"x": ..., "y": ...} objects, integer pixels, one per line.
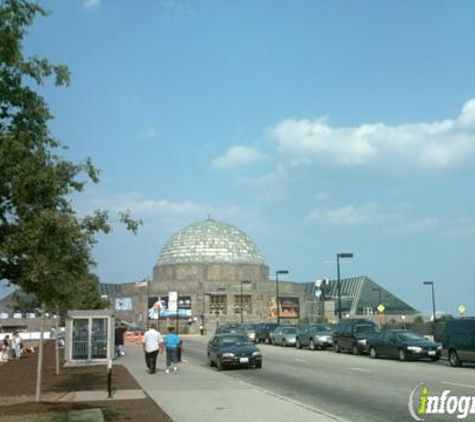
[{"x": 354, "y": 388}]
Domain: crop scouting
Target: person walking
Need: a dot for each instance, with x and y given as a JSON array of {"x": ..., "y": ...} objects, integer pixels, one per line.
[
  {"x": 16, "y": 342},
  {"x": 172, "y": 343},
  {"x": 152, "y": 343},
  {"x": 119, "y": 339},
  {"x": 6, "y": 348}
]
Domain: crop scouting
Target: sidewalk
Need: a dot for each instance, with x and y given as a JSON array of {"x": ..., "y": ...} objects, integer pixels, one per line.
[{"x": 197, "y": 393}]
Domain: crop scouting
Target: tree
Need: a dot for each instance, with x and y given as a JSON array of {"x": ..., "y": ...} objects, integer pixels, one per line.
[{"x": 45, "y": 248}]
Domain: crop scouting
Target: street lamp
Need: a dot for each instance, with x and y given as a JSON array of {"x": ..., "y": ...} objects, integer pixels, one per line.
[
  {"x": 242, "y": 308},
  {"x": 277, "y": 299},
  {"x": 338, "y": 256},
  {"x": 431, "y": 284}
]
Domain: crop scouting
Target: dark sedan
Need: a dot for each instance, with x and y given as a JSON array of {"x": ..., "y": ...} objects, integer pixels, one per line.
[
  {"x": 403, "y": 345},
  {"x": 233, "y": 350}
]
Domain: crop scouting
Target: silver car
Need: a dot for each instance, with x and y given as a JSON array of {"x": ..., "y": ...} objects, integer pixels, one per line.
[
  {"x": 250, "y": 330},
  {"x": 285, "y": 336}
]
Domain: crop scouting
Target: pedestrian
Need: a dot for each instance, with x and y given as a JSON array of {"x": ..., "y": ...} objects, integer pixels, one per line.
[
  {"x": 16, "y": 344},
  {"x": 152, "y": 344},
  {"x": 119, "y": 339},
  {"x": 172, "y": 343},
  {"x": 6, "y": 348}
]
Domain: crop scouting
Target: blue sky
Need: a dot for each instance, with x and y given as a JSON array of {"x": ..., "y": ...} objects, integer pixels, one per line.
[{"x": 317, "y": 127}]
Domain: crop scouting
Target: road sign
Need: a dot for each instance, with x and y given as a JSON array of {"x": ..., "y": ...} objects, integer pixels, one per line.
[
  {"x": 381, "y": 308},
  {"x": 380, "y": 315},
  {"x": 461, "y": 309}
]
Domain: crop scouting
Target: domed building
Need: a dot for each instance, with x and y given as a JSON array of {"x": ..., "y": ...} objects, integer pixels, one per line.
[{"x": 212, "y": 272}]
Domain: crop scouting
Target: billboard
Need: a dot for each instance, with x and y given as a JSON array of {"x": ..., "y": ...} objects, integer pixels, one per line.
[
  {"x": 158, "y": 307},
  {"x": 123, "y": 304},
  {"x": 289, "y": 307}
]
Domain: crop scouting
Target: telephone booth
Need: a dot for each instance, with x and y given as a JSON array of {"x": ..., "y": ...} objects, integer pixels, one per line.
[{"x": 89, "y": 337}]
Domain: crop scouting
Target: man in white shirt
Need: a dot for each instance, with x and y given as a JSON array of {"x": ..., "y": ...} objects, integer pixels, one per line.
[{"x": 152, "y": 343}]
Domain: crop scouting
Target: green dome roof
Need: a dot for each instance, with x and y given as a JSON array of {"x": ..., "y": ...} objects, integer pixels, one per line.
[{"x": 210, "y": 241}]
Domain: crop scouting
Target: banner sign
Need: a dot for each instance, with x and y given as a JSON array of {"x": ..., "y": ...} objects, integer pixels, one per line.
[
  {"x": 123, "y": 304},
  {"x": 173, "y": 301},
  {"x": 159, "y": 307},
  {"x": 289, "y": 307}
]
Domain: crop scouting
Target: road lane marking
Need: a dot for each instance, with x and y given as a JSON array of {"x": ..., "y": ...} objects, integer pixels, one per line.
[
  {"x": 360, "y": 369},
  {"x": 457, "y": 384}
]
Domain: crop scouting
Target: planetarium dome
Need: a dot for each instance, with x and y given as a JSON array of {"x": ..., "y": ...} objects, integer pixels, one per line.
[{"x": 210, "y": 241}]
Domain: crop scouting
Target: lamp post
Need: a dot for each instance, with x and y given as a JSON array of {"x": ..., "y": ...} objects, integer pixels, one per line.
[
  {"x": 338, "y": 256},
  {"x": 242, "y": 307},
  {"x": 431, "y": 284},
  {"x": 277, "y": 298},
  {"x": 377, "y": 289}
]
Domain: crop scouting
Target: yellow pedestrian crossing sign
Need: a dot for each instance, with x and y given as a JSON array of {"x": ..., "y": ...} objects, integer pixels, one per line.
[
  {"x": 461, "y": 309},
  {"x": 381, "y": 308}
]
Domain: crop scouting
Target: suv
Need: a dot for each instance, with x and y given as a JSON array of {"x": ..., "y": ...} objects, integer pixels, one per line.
[
  {"x": 263, "y": 331},
  {"x": 458, "y": 344},
  {"x": 353, "y": 334}
]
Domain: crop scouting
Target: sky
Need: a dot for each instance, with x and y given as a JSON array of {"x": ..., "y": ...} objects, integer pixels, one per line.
[{"x": 317, "y": 127}]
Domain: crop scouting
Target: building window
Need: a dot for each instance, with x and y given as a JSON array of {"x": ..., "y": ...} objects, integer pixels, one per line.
[
  {"x": 218, "y": 305},
  {"x": 368, "y": 311},
  {"x": 246, "y": 304}
]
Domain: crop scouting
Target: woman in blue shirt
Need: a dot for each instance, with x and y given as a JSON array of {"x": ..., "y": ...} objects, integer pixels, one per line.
[{"x": 172, "y": 342}]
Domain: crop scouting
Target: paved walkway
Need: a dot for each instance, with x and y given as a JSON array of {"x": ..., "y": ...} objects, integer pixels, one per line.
[{"x": 197, "y": 393}]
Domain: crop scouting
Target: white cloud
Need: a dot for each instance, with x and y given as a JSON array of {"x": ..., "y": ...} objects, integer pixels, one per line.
[
  {"x": 342, "y": 216},
  {"x": 438, "y": 144},
  {"x": 422, "y": 225},
  {"x": 91, "y": 4},
  {"x": 462, "y": 228},
  {"x": 151, "y": 133},
  {"x": 238, "y": 156},
  {"x": 351, "y": 215}
]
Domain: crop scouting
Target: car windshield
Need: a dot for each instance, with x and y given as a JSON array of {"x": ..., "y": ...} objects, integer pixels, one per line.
[
  {"x": 249, "y": 327},
  {"x": 290, "y": 331},
  {"x": 367, "y": 328},
  {"x": 229, "y": 341},
  {"x": 409, "y": 336},
  {"x": 320, "y": 329}
]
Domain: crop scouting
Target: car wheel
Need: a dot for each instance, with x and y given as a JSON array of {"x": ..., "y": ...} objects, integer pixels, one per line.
[
  {"x": 311, "y": 345},
  {"x": 402, "y": 355},
  {"x": 336, "y": 348},
  {"x": 355, "y": 350},
  {"x": 373, "y": 353},
  {"x": 284, "y": 343},
  {"x": 454, "y": 359},
  {"x": 259, "y": 365},
  {"x": 220, "y": 365},
  {"x": 210, "y": 362},
  {"x": 272, "y": 341},
  {"x": 297, "y": 344}
]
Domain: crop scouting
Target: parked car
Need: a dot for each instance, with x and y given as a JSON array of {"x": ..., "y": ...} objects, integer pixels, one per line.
[
  {"x": 250, "y": 330},
  {"x": 264, "y": 331},
  {"x": 459, "y": 341},
  {"x": 229, "y": 328},
  {"x": 318, "y": 336},
  {"x": 403, "y": 345},
  {"x": 233, "y": 350},
  {"x": 353, "y": 334},
  {"x": 285, "y": 336}
]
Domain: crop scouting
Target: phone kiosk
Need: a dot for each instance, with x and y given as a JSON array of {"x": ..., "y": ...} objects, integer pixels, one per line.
[{"x": 89, "y": 337}]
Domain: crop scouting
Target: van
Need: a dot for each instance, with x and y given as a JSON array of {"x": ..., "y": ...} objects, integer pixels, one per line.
[
  {"x": 458, "y": 343},
  {"x": 352, "y": 335}
]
